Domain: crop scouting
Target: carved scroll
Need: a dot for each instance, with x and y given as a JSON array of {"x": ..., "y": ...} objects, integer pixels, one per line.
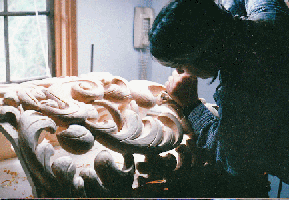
[{"x": 123, "y": 116}]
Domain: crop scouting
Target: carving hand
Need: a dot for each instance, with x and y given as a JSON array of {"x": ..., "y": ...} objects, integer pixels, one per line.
[{"x": 182, "y": 87}]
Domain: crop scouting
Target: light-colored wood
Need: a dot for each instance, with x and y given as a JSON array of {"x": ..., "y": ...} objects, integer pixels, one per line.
[
  {"x": 122, "y": 116},
  {"x": 65, "y": 38},
  {"x": 5, "y": 148}
]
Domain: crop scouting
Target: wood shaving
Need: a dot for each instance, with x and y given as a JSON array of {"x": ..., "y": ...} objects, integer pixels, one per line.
[{"x": 14, "y": 178}]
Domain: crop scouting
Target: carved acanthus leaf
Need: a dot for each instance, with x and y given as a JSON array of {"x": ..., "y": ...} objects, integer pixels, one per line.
[
  {"x": 145, "y": 92},
  {"x": 118, "y": 91},
  {"x": 78, "y": 190},
  {"x": 87, "y": 91},
  {"x": 43, "y": 152},
  {"x": 64, "y": 170},
  {"x": 31, "y": 124},
  {"x": 112, "y": 177},
  {"x": 92, "y": 183},
  {"x": 76, "y": 139}
]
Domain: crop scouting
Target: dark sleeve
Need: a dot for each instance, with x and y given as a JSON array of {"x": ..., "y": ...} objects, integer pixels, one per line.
[
  {"x": 205, "y": 125},
  {"x": 256, "y": 10},
  {"x": 266, "y": 9},
  {"x": 224, "y": 137},
  {"x": 207, "y": 128}
]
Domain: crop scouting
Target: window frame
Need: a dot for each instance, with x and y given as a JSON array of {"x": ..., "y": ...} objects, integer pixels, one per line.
[{"x": 65, "y": 38}]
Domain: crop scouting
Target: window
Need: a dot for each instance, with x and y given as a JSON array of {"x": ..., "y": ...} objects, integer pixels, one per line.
[
  {"x": 37, "y": 39},
  {"x": 24, "y": 40}
]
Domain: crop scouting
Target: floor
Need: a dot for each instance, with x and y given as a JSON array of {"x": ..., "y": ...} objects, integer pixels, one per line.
[{"x": 14, "y": 183}]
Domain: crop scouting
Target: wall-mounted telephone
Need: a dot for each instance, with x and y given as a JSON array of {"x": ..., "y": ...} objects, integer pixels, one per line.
[{"x": 143, "y": 20}]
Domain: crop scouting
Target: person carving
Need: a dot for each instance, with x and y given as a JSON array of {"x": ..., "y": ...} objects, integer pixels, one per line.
[{"x": 245, "y": 44}]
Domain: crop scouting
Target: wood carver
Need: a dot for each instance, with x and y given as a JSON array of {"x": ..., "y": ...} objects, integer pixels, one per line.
[{"x": 126, "y": 117}]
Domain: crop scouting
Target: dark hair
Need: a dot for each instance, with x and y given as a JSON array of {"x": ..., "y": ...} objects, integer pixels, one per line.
[
  {"x": 185, "y": 28},
  {"x": 189, "y": 32}
]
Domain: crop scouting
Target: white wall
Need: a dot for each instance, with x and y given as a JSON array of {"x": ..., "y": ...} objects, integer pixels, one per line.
[
  {"x": 108, "y": 24},
  {"x": 160, "y": 73}
]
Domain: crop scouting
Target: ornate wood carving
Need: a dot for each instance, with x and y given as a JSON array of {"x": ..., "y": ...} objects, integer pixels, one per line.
[{"x": 126, "y": 117}]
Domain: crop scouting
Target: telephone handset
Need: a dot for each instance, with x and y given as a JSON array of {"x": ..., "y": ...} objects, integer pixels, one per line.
[{"x": 143, "y": 20}]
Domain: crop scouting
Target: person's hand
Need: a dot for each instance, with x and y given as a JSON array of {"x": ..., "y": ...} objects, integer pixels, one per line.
[{"x": 183, "y": 88}]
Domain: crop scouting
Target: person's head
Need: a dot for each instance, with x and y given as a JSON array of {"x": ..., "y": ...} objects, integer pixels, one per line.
[{"x": 191, "y": 34}]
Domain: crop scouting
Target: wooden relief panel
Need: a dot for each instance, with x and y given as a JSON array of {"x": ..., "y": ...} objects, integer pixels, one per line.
[{"x": 126, "y": 117}]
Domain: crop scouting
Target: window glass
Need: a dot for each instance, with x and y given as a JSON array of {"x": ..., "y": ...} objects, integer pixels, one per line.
[
  {"x": 28, "y": 47},
  {"x": 1, "y": 5},
  {"x": 2, "y": 52},
  {"x": 27, "y": 5}
]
